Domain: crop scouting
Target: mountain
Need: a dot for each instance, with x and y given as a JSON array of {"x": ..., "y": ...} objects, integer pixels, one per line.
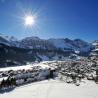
[
  {"x": 36, "y": 43},
  {"x": 29, "y": 49},
  {"x": 50, "y": 44},
  {"x": 7, "y": 40},
  {"x": 94, "y": 51},
  {"x": 76, "y": 45},
  {"x": 63, "y": 44}
]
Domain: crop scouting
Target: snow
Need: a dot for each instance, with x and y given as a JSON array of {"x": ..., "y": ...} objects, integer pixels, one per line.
[
  {"x": 59, "y": 43},
  {"x": 50, "y": 88},
  {"x": 20, "y": 81},
  {"x": 36, "y": 42},
  {"x": 53, "y": 89},
  {"x": 32, "y": 38},
  {"x": 3, "y": 78},
  {"x": 44, "y": 58},
  {"x": 16, "y": 68},
  {"x": 43, "y": 65},
  {"x": 95, "y": 43},
  {"x": 76, "y": 45},
  {"x": 8, "y": 38},
  {"x": 95, "y": 49}
]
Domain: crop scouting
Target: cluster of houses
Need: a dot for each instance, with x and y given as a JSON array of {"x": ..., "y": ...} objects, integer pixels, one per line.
[{"x": 73, "y": 71}]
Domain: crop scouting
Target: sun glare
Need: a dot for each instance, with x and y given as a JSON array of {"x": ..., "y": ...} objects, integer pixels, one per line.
[{"x": 29, "y": 20}]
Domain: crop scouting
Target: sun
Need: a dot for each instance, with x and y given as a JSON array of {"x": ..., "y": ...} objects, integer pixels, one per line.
[{"x": 29, "y": 20}]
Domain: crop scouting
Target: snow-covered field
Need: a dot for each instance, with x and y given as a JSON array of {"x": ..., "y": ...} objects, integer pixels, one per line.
[
  {"x": 16, "y": 68},
  {"x": 28, "y": 66},
  {"x": 53, "y": 89},
  {"x": 43, "y": 64}
]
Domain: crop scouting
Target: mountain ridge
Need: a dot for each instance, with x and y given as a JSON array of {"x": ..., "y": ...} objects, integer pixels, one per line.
[{"x": 33, "y": 48}]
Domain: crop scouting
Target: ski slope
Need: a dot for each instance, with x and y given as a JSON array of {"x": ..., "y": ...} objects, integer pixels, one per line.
[{"x": 53, "y": 89}]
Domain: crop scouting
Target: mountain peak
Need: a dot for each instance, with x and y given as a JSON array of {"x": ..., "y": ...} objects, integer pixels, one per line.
[{"x": 32, "y": 38}]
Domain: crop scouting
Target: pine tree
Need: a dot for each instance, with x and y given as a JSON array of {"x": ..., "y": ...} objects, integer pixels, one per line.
[
  {"x": 13, "y": 81},
  {"x": 2, "y": 83}
]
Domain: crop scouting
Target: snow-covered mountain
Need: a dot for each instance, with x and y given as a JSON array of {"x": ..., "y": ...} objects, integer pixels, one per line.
[
  {"x": 34, "y": 48},
  {"x": 7, "y": 40},
  {"x": 50, "y": 44},
  {"x": 76, "y": 45},
  {"x": 63, "y": 44},
  {"x": 36, "y": 43},
  {"x": 94, "y": 51},
  {"x": 95, "y": 44}
]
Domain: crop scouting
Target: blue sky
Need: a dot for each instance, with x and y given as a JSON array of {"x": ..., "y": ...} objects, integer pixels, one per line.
[{"x": 54, "y": 18}]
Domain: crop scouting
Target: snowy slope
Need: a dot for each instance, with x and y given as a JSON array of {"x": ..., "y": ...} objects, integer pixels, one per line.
[
  {"x": 95, "y": 49},
  {"x": 7, "y": 40},
  {"x": 76, "y": 45},
  {"x": 59, "y": 43},
  {"x": 53, "y": 89}
]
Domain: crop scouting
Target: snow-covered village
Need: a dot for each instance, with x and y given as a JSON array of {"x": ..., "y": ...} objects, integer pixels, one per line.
[
  {"x": 51, "y": 78},
  {"x": 48, "y": 48}
]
